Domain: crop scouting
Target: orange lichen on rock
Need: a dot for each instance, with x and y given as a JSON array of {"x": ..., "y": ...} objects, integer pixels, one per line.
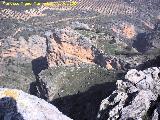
[
  {"x": 125, "y": 30},
  {"x": 129, "y": 31},
  {"x": 32, "y": 48},
  {"x": 68, "y": 54},
  {"x": 108, "y": 65},
  {"x": 9, "y": 93},
  {"x": 114, "y": 29},
  {"x": 8, "y": 53},
  {"x": 84, "y": 55}
]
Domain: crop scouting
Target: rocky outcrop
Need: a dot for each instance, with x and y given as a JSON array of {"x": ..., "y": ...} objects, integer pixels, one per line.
[
  {"x": 80, "y": 26},
  {"x": 16, "y": 63},
  {"x": 136, "y": 97},
  {"x": 62, "y": 47},
  {"x": 18, "y": 105},
  {"x": 66, "y": 46},
  {"x": 125, "y": 29},
  {"x": 24, "y": 49}
]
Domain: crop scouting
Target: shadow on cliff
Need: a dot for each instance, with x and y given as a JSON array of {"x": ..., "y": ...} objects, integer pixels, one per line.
[
  {"x": 39, "y": 64},
  {"x": 150, "y": 63},
  {"x": 99, "y": 57},
  {"x": 142, "y": 43},
  {"x": 8, "y": 109},
  {"x": 38, "y": 87},
  {"x": 84, "y": 106},
  {"x": 145, "y": 41}
]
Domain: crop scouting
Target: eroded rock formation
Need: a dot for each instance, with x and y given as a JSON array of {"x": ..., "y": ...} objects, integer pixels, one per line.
[
  {"x": 18, "y": 105},
  {"x": 24, "y": 49},
  {"x": 66, "y": 46},
  {"x": 126, "y": 30},
  {"x": 136, "y": 97},
  {"x": 80, "y": 26}
]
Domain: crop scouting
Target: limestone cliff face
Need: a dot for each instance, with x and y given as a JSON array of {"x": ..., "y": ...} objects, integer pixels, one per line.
[
  {"x": 125, "y": 29},
  {"x": 66, "y": 46},
  {"x": 24, "y": 49},
  {"x": 61, "y": 47},
  {"x": 18, "y": 105},
  {"x": 136, "y": 97}
]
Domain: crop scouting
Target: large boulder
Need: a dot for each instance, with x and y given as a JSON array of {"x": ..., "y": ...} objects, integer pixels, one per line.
[
  {"x": 68, "y": 47},
  {"x": 18, "y": 105},
  {"x": 80, "y": 26},
  {"x": 136, "y": 97}
]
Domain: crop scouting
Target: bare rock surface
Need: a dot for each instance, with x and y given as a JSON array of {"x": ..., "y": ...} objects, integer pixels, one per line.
[
  {"x": 33, "y": 47},
  {"x": 18, "y": 105},
  {"x": 66, "y": 46},
  {"x": 80, "y": 26},
  {"x": 134, "y": 97}
]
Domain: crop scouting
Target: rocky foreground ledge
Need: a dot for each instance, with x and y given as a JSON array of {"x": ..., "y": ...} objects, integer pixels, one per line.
[
  {"x": 136, "y": 98},
  {"x": 18, "y": 105}
]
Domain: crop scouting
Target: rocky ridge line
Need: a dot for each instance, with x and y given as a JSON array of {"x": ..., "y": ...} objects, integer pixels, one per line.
[{"x": 60, "y": 47}]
